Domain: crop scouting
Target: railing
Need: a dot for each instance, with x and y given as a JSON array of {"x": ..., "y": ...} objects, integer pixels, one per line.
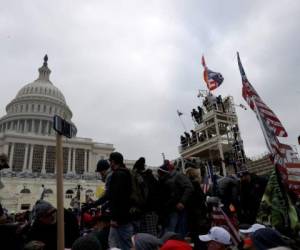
[{"x": 68, "y": 176}]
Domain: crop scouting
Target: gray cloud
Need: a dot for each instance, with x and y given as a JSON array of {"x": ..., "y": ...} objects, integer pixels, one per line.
[{"x": 125, "y": 67}]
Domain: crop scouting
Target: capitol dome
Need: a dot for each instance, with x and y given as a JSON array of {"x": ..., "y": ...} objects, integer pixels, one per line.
[{"x": 34, "y": 106}]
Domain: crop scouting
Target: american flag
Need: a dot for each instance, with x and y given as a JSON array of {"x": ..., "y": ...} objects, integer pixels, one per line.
[
  {"x": 272, "y": 128},
  {"x": 212, "y": 79},
  {"x": 255, "y": 102},
  {"x": 220, "y": 218}
]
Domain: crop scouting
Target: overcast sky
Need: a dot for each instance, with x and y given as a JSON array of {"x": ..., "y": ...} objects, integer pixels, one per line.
[{"x": 125, "y": 67}]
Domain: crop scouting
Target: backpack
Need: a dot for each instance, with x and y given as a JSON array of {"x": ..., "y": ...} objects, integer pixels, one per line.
[{"x": 139, "y": 191}]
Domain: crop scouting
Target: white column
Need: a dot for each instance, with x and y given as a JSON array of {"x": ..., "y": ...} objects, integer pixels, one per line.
[
  {"x": 40, "y": 127},
  {"x": 85, "y": 162},
  {"x": 33, "y": 126},
  {"x": 25, "y": 158},
  {"x": 18, "y": 125},
  {"x": 25, "y": 126},
  {"x": 30, "y": 158},
  {"x": 69, "y": 160},
  {"x": 43, "y": 171},
  {"x": 5, "y": 148},
  {"x": 12, "y": 148},
  {"x": 47, "y": 128},
  {"x": 73, "y": 160},
  {"x": 88, "y": 161}
]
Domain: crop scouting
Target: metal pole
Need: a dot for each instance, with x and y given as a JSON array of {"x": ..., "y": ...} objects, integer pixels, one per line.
[
  {"x": 163, "y": 156},
  {"x": 184, "y": 127},
  {"x": 220, "y": 146},
  {"x": 60, "y": 192}
]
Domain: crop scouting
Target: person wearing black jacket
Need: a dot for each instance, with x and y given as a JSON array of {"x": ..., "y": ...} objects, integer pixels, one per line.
[
  {"x": 175, "y": 191},
  {"x": 44, "y": 227},
  {"x": 149, "y": 191},
  {"x": 119, "y": 193},
  {"x": 252, "y": 190},
  {"x": 197, "y": 212}
]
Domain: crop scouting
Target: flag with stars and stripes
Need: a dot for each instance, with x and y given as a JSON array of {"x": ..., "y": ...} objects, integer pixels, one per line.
[
  {"x": 252, "y": 98},
  {"x": 285, "y": 176}
]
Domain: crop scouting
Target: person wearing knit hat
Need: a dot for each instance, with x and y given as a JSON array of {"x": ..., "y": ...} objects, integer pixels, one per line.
[
  {"x": 139, "y": 165},
  {"x": 86, "y": 243},
  {"x": 44, "y": 212},
  {"x": 266, "y": 238},
  {"x": 142, "y": 241},
  {"x": 102, "y": 168},
  {"x": 176, "y": 245}
]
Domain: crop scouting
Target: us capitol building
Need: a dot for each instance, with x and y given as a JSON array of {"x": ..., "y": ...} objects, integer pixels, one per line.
[{"x": 28, "y": 139}]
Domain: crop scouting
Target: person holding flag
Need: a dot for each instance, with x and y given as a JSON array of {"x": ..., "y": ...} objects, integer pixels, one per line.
[
  {"x": 276, "y": 205},
  {"x": 213, "y": 79}
]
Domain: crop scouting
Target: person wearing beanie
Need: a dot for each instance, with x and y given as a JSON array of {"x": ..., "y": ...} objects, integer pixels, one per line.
[
  {"x": 119, "y": 193},
  {"x": 86, "y": 243},
  {"x": 145, "y": 193},
  {"x": 139, "y": 165},
  {"x": 266, "y": 238},
  {"x": 44, "y": 212},
  {"x": 142, "y": 241},
  {"x": 34, "y": 245},
  {"x": 104, "y": 170},
  {"x": 175, "y": 191},
  {"x": 44, "y": 227},
  {"x": 176, "y": 245}
]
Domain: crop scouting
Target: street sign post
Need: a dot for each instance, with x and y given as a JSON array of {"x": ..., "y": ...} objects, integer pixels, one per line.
[{"x": 63, "y": 128}]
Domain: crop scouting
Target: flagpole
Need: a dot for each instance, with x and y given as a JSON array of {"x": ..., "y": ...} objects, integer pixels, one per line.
[
  {"x": 182, "y": 123},
  {"x": 262, "y": 126}
]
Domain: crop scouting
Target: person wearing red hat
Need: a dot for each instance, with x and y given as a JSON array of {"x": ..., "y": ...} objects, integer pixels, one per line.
[{"x": 176, "y": 245}]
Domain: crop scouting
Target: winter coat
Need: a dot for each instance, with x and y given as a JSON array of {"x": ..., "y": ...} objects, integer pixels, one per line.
[
  {"x": 48, "y": 233},
  {"x": 119, "y": 193},
  {"x": 174, "y": 188},
  {"x": 151, "y": 184},
  {"x": 197, "y": 210}
]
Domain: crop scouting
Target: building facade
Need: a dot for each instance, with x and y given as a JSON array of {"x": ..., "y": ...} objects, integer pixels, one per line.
[{"x": 27, "y": 137}]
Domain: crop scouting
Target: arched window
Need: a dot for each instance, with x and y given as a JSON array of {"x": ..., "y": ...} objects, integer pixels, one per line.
[
  {"x": 25, "y": 191},
  {"x": 69, "y": 194}
]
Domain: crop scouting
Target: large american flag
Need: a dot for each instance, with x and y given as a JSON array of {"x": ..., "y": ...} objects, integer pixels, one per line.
[
  {"x": 272, "y": 128},
  {"x": 212, "y": 79},
  {"x": 220, "y": 218}
]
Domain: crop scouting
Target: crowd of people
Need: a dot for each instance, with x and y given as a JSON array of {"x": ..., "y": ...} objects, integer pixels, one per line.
[
  {"x": 210, "y": 102},
  {"x": 145, "y": 210}
]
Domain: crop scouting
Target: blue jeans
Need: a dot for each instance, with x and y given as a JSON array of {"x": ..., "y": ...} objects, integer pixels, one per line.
[
  {"x": 120, "y": 236},
  {"x": 177, "y": 223}
]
